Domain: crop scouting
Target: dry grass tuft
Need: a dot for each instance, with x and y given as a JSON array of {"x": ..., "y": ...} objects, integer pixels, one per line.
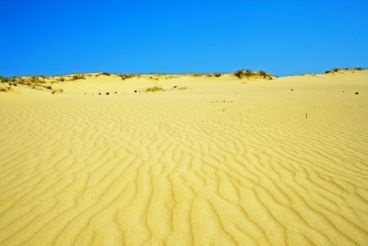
[
  {"x": 154, "y": 89},
  {"x": 57, "y": 91},
  {"x": 180, "y": 87}
]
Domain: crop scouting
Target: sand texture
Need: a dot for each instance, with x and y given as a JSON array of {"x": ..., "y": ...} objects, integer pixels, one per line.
[{"x": 205, "y": 161}]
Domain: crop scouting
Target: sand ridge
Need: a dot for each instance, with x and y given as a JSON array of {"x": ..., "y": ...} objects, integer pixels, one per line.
[{"x": 224, "y": 161}]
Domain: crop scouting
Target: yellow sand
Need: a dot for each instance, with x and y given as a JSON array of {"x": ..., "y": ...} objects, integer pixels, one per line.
[{"x": 225, "y": 161}]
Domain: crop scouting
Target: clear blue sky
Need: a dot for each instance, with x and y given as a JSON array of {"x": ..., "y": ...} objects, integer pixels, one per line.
[{"x": 282, "y": 37}]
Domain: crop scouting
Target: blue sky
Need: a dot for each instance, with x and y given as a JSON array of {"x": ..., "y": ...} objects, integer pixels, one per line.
[{"x": 282, "y": 37}]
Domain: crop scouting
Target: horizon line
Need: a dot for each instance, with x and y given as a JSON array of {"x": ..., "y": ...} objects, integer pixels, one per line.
[{"x": 334, "y": 69}]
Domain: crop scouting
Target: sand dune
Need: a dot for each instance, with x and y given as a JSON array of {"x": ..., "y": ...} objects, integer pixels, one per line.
[{"x": 222, "y": 161}]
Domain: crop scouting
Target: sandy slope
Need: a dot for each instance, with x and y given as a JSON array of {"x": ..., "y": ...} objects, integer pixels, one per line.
[{"x": 223, "y": 162}]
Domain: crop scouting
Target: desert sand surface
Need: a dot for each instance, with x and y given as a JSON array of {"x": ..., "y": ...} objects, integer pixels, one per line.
[{"x": 201, "y": 160}]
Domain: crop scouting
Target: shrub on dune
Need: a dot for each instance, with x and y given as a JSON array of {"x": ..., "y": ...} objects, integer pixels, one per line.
[
  {"x": 249, "y": 74},
  {"x": 263, "y": 74},
  {"x": 13, "y": 80},
  {"x": 30, "y": 81},
  {"x": 36, "y": 80},
  {"x": 125, "y": 76},
  {"x": 102, "y": 74},
  {"x": 243, "y": 73},
  {"x": 197, "y": 75},
  {"x": 78, "y": 76},
  {"x": 4, "y": 79},
  {"x": 5, "y": 88},
  {"x": 334, "y": 70}
]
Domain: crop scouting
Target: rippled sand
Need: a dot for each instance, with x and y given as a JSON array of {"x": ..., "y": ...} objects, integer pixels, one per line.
[{"x": 222, "y": 162}]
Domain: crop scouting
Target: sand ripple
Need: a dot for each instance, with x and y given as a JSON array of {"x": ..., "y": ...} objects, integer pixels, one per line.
[{"x": 176, "y": 171}]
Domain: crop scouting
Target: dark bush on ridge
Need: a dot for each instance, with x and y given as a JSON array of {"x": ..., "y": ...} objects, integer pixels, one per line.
[
  {"x": 248, "y": 73},
  {"x": 334, "y": 70}
]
